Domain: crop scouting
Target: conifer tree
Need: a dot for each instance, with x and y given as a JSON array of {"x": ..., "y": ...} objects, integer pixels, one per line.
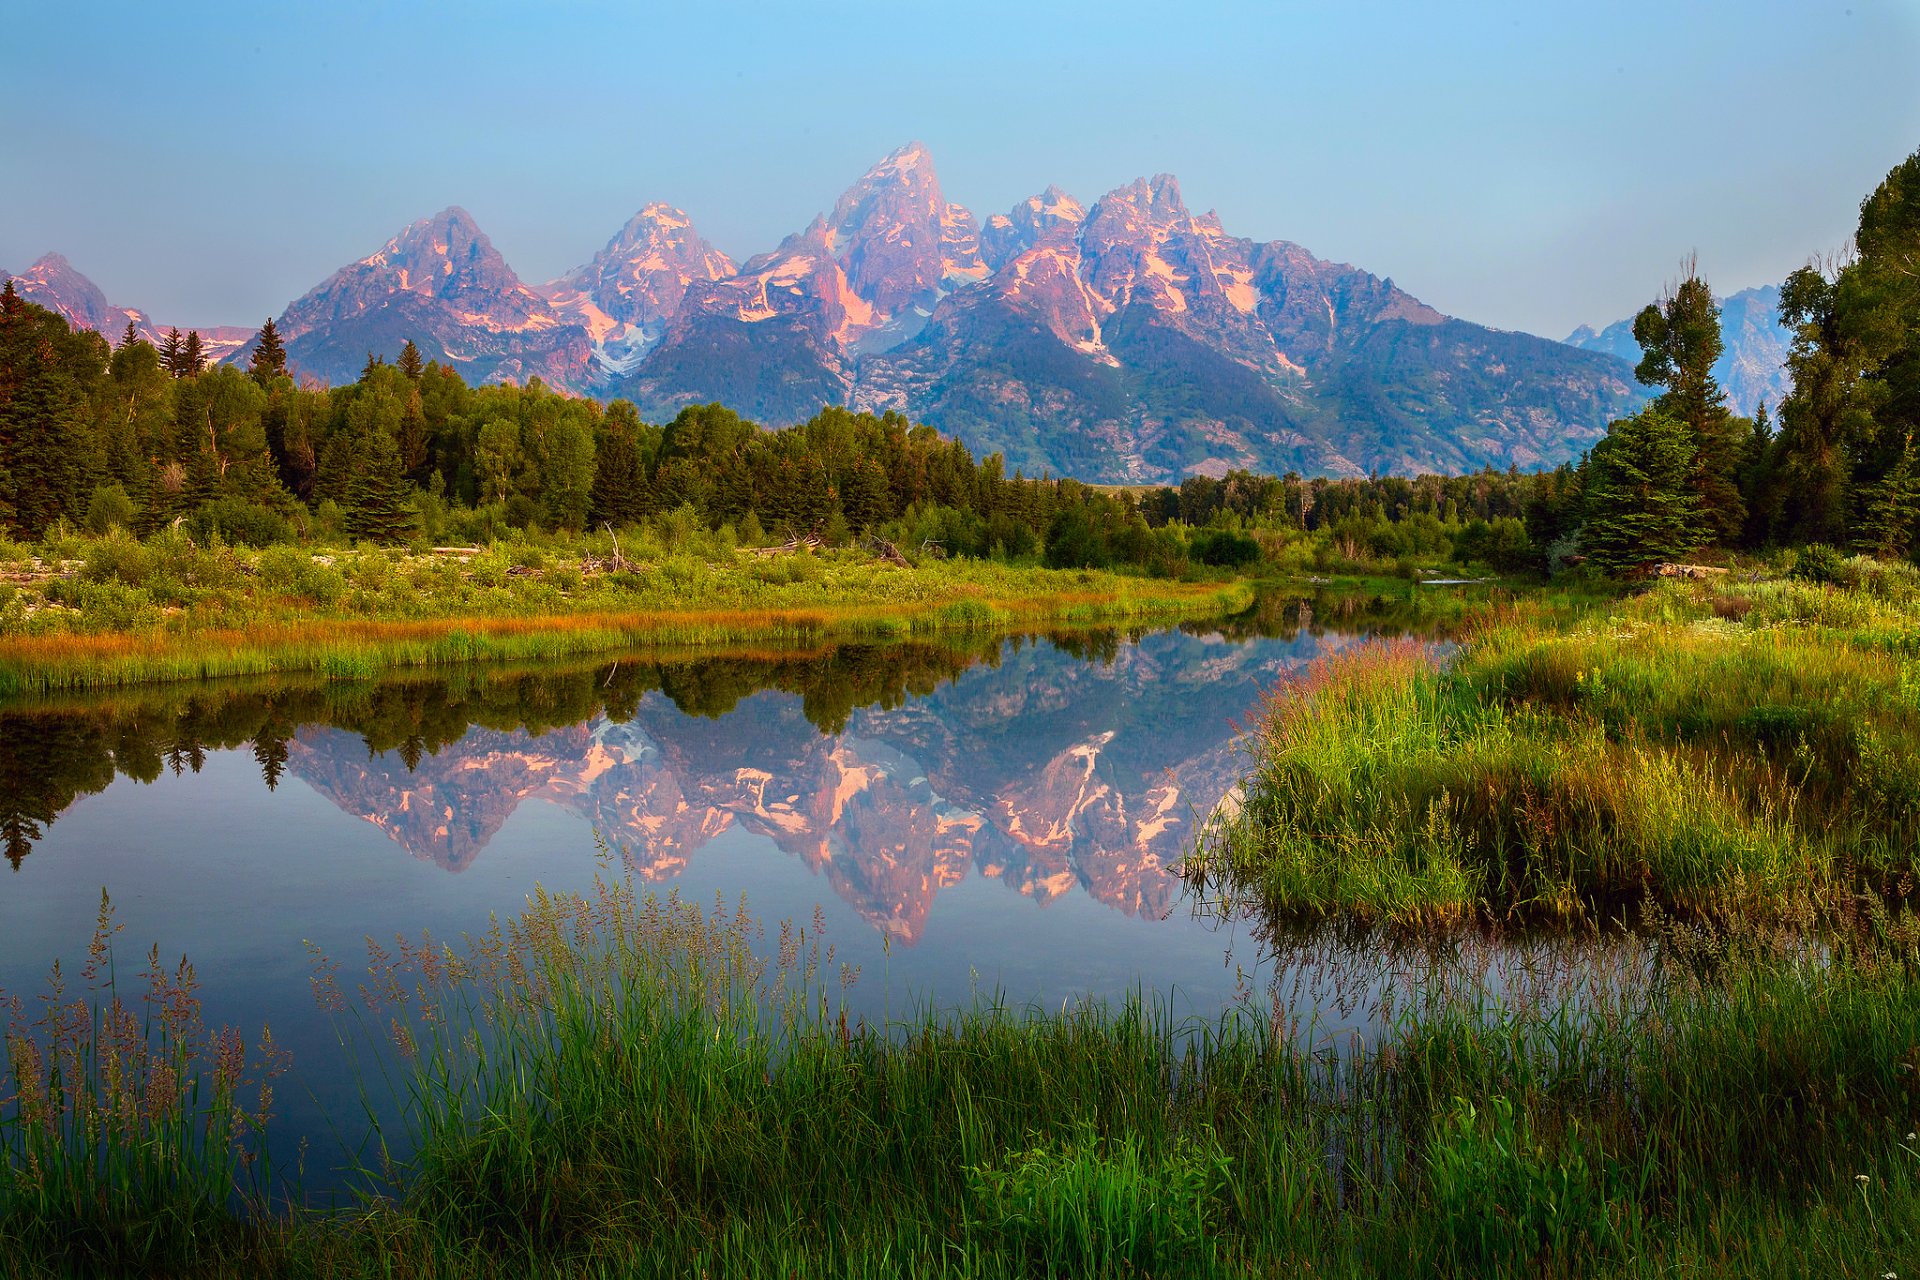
[
  {"x": 617, "y": 478},
  {"x": 410, "y": 362},
  {"x": 128, "y": 338},
  {"x": 1641, "y": 508},
  {"x": 377, "y": 499},
  {"x": 1891, "y": 517},
  {"x": 173, "y": 354},
  {"x": 269, "y": 359},
  {"x": 192, "y": 358}
]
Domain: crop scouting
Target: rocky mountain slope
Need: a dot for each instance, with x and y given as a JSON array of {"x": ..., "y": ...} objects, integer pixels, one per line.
[
  {"x": 1753, "y": 361},
  {"x": 441, "y": 283}
]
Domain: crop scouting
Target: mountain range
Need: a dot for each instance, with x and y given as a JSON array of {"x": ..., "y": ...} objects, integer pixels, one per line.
[
  {"x": 1752, "y": 368},
  {"x": 1131, "y": 340}
]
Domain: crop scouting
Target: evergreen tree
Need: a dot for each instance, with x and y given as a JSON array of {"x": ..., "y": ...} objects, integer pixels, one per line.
[
  {"x": 410, "y": 362},
  {"x": 1680, "y": 340},
  {"x": 128, "y": 338},
  {"x": 1891, "y": 516},
  {"x": 192, "y": 357},
  {"x": 173, "y": 354},
  {"x": 269, "y": 359},
  {"x": 378, "y": 506},
  {"x": 617, "y": 479},
  {"x": 1641, "y": 508},
  {"x": 414, "y": 441}
]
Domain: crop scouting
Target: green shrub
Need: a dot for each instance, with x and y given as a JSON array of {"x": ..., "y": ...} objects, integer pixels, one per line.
[
  {"x": 120, "y": 558},
  {"x": 110, "y": 508},
  {"x": 1821, "y": 564},
  {"x": 292, "y": 572},
  {"x": 239, "y": 522},
  {"x": 1224, "y": 548}
]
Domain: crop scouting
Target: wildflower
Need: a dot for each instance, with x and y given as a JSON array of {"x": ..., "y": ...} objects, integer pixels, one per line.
[{"x": 1862, "y": 1179}]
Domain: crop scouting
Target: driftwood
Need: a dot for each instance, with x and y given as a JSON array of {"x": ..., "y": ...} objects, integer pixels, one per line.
[
  {"x": 619, "y": 562},
  {"x": 809, "y": 543},
  {"x": 1686, "y": 571},
  {"x": 886, "y": 551}
]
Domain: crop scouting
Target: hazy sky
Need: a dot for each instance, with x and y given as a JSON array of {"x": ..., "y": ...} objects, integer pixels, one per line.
[{"x": 1528, "y": 165}]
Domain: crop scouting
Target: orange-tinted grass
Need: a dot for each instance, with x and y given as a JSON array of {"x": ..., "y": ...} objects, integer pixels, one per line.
[{"x": 48, "y": 662}]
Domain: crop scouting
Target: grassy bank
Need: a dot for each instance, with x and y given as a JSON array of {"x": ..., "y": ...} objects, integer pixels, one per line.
[
  {"x": 611, "y": 1084},
  {"x": 1718, "y": 749},
  {"x": 113, "y": 611}
]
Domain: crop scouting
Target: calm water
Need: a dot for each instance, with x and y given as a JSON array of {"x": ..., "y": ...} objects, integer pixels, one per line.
[{"x": 994, "y": 821}]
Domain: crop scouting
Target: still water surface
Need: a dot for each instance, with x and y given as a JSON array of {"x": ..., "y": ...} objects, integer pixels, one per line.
[{"x": 995, "y": 822}]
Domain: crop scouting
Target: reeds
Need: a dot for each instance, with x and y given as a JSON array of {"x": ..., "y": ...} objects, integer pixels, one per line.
[
  {"x": 1672, "y": 752},
  {"x": 616, "y": 1083},
  {"x": 130, "y": 1129},
  {"x": 243, "y": 613}
]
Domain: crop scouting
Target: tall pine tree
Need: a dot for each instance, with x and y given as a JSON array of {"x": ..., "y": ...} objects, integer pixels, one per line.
[
  {"x": 173, "y": 354},
  {"x": 269, "y": 358},
  {"x": 1641, "y": 508}
]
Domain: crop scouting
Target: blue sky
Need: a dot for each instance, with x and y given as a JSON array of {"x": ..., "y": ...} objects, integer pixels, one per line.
[{"x": 1531, "y": 166}]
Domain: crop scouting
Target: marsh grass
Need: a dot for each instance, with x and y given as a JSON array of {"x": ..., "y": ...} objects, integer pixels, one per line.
[
  {"x": 1710, "y": 751},
  {"x": 131, "y": 1130},
  {"x": 169, "y": 610},
  {"x": 614, "y": 1083}
]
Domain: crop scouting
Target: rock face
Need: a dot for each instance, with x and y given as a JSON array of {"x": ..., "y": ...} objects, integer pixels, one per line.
[
  {"x": 1132, "y": 340},
  {"x": 442, "y": 284},
  {"x": 53, "y": 283},
  {"x": 632, "y": 289},
  {"x": 1046, "y": 773},
  {"x": 1752, "y": 367}
]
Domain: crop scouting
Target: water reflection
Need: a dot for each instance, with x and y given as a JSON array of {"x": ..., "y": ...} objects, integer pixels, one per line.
[{"x": 1071, "y": 762}]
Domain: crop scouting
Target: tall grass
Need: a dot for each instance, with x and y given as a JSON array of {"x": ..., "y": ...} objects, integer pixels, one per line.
[
  {"x": 1711, "y": 753},
  {"x": 130, "y": 1130},
  {"x": 137, "y": 612},
  {"x": 612, "y": 1083}
]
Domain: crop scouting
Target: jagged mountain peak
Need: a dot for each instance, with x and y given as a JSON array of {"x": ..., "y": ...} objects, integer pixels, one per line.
[
  {"x": 630, "y": 291},
  {"x": 1149, "y": 203},
  {"x": 1006, "y": 236},
  {"x": 900, "y": 240},
  {"x": 441, "y": 284}
]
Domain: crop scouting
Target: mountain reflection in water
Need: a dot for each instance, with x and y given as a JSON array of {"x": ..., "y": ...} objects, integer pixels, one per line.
[{"x": 892, "y": 771}]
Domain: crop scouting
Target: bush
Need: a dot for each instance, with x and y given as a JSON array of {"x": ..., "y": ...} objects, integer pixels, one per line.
[
  {"x": 295, "y": 573},
  {"x": 109, "y": 509},
  {"x": 1821, "y": 564},
  {"x": 1224, "y": 548},
  {"x": 238, "y": 522},
  {"x": 120, "y": 559}
]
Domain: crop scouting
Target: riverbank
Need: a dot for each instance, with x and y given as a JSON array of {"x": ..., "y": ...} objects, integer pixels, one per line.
[
  {"x": 617, "y": 1084},
  {"x": 1704, "y": 749},
  {"x": 117, "y": 612}
]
